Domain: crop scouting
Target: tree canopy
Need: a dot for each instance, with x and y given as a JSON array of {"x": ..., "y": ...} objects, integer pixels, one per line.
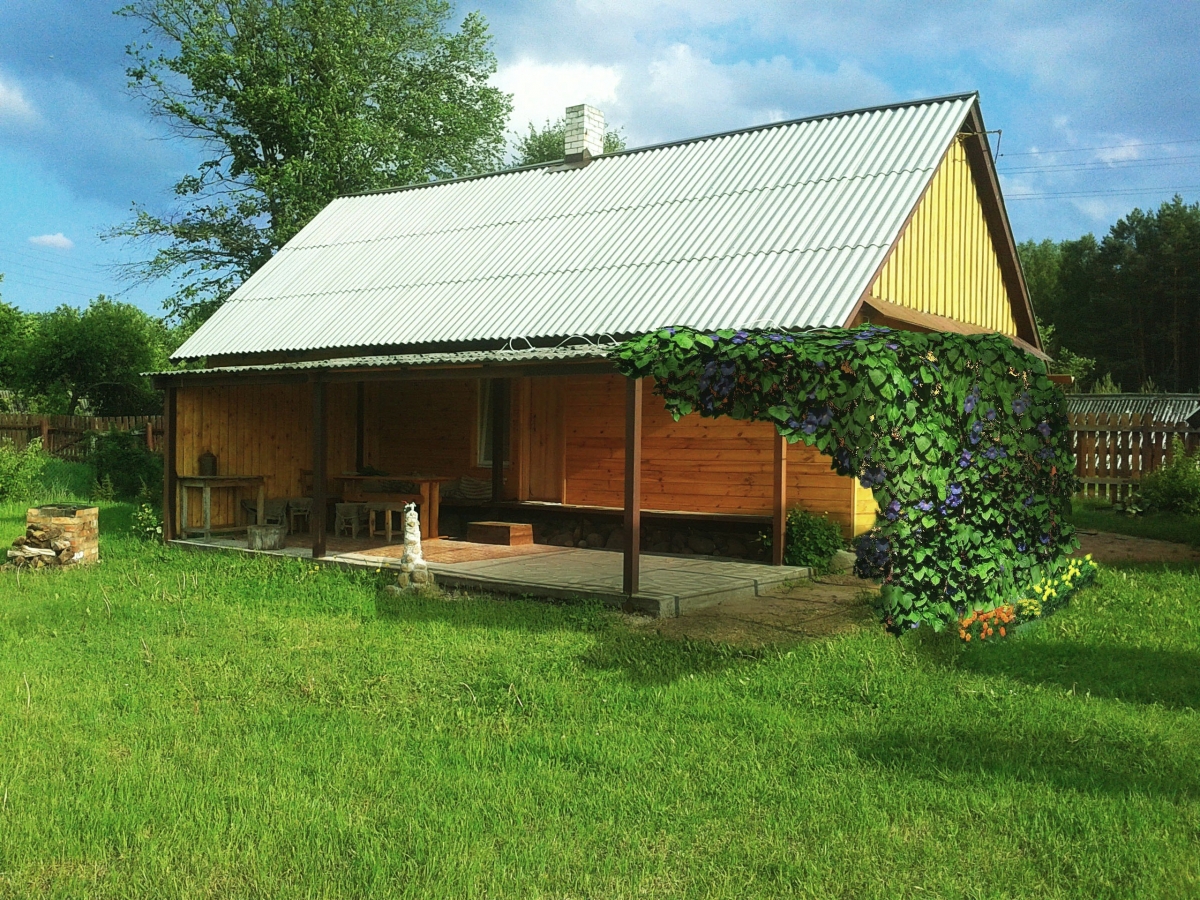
[
  {"x": 549, "y": 143},
  {"x": 1130, "y": 301},
  {"x": 295, "y": 102},
  {"x": 68, "y": 359}
]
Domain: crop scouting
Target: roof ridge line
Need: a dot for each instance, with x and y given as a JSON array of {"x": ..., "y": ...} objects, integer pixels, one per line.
[{"x": 662, "y": 145}]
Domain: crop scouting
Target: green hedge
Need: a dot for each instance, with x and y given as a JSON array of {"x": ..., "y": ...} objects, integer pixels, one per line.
[{"x": 962, "y": 438}]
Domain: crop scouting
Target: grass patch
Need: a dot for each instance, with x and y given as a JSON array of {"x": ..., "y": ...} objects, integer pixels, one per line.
[
  {"x": 1099, "y": 515},
  {"x": 182, "y": 724}
]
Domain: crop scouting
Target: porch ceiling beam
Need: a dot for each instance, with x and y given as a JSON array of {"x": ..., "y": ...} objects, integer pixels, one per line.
[{"x": 404, "y": 373}]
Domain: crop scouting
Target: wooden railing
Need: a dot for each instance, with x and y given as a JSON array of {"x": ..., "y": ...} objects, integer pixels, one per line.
[
  {"x": 1113, "y": 452},
  {"x": 62, "y": 436}
]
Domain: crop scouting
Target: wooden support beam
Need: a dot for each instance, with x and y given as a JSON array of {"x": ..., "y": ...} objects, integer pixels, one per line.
[
  {"x": 170, "y": 475},
  {"x": 360, "y": 426},
  {"x": 499, "y": 435},
  {"x": 320, "y": 475},
  {"x": 633, "y": 485},
  {"x": 524, "y": 393},
  {"x": 779, "y": 506}
]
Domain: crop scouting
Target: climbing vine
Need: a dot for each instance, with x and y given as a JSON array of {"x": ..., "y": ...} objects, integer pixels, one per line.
[{"x": 962, "y": 439}]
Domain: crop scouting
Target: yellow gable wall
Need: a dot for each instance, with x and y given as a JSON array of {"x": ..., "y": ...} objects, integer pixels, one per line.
[{"x": 945, "y": 261}]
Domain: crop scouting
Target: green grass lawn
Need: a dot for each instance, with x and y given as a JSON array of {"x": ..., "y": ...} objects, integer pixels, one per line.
[
  {"x": 1098, "y": 515},
  {"x": 178, "y": 724}
]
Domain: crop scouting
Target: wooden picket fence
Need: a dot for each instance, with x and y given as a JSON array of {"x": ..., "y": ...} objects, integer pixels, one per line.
[
  {"x": 1113, "y": 451},
  {"x": 62, "y": 436}
]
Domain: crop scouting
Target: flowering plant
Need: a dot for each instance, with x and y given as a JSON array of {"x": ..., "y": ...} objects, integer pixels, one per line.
[{"x": 962, "y": 438}]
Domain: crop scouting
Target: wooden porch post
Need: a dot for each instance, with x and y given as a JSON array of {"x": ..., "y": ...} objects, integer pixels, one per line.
[
  {"x": 170, "y": 476},
  {"x": 779, "y": 508},
  {"x": 317, "y": 520},
  {"x": 633, "y": 485},
  {"x": 499, "y": 432},
  {"x": 360, "y": 426}
]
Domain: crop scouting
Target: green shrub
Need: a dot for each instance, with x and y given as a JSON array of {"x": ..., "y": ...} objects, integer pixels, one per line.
[
  {"x": 1176, "y": 486},
  {"x": 147, "y": 523},
  {"x": 811, "y": 540},
  {"x": 66, "y": 480},
  {"x": 122, "y": 459},
  {"x": 20, "y": 470}
]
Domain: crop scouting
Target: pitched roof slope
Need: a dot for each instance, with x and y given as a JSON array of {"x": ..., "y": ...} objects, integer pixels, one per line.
[{"x": 783, "y": 225}]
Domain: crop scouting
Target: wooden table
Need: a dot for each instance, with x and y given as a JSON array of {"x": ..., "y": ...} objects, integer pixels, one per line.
[
  {"x": 429, "y": 497},
  {"x": 206, "y": 483}
]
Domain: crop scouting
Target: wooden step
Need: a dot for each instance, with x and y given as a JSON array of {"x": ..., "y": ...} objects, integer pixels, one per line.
[{"x": 507, "y": 533}]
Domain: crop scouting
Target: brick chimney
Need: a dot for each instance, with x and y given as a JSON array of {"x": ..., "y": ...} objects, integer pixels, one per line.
[{"x": 585, "y": 134}]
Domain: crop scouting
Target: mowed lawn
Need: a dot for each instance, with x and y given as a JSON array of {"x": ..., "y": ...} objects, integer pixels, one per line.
[{"x": 178, "y": 724}]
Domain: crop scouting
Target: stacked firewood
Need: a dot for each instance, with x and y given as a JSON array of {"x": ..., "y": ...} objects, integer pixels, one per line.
[{"x": 41, "y": 546}]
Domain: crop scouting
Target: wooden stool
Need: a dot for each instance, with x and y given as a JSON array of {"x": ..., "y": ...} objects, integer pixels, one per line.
[{"x": 387, "y": 509}]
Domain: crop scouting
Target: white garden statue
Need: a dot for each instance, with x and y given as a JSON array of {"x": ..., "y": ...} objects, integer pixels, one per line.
[{"x": 412, "y": 559}]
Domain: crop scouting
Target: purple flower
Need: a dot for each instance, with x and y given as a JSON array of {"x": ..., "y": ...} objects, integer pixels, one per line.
[
  {"x": 1021, "y": 547},
  {"x": 924, "y": 505},
  {"x": 1045, "y": 539},
  {"x": 775, "y": 337},
  {"x": 1029, "y": 500},
  {"x": 991, "y": 414},
  {"x": 1044, "y": 429},
  {"x": 892, "y": 345},
  {"x": 1021, "y": 404},
  {"x": 969, "y": 404},
  {"x": 1045, "y": 453},
  {"x": 671, "y": 332},
  {"x": 740, "y": 337},
  {"x": 965, "y": 460},
  {"x": 714, "y": 337}
]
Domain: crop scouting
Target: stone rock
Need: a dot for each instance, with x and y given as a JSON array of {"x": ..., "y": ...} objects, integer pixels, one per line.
[
  {"x": 582, "y": 545},
  {"x": 698, "y": 543},
  {"x": 616, "y": 540},
  {"x": 562, "y": 540},
  {"x": 843, "y": 561},
  {"x": 421, "y": 576},
  {"x": 594, "y": 540},
  {"x": 661, "y": 547},
  {"x": 734, "y": 547}
]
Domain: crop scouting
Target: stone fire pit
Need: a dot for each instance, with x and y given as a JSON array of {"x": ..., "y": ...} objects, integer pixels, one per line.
[{"x": 58, "y": 535}]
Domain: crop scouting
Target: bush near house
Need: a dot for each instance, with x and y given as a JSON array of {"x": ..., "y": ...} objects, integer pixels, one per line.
[
  {"x": 122, "y": 460},
  {"x": 20, "y": 470},
  {"x": 811, "y": 540},
  {"x": 1176, "y": 486}
]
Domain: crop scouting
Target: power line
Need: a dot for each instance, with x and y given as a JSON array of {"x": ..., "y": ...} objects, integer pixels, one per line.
[
  {"x": 23, "y": 281},
  {"x": 1109, "y": 147},
  {"x": 42, "y": 257},
  {"x": 31, "y": 270},
  {"x": 1151, "y": 163},
  {"x": 1119, "y": 192}
]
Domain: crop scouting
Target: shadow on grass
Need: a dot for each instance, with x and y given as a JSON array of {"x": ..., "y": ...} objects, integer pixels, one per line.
[
  {"x": 645, "y": 659},
  {"x": 1091, "y": 762},
  {"x": 1132, "y": 674}
]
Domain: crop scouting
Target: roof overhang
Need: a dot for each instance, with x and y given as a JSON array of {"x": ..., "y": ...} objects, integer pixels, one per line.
[{"x": 930, "y": 322}]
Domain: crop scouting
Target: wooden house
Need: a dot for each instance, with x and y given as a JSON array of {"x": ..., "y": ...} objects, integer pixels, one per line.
[{"x": 460, "y": 327}]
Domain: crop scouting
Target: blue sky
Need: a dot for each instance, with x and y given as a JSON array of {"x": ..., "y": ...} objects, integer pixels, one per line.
[{"x": 1099, "y": 103}]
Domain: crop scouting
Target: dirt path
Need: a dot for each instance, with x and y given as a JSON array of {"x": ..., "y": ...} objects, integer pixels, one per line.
[
  {"x": 1107, "y": 547},
  {"x": 828, "y": 605}
]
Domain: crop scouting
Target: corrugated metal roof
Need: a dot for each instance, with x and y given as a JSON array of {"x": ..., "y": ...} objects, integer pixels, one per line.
[
  {"x": 781, "y": 225},
  {"x": 1168, "y": 409},
  {"x": 401, "y": 360}
]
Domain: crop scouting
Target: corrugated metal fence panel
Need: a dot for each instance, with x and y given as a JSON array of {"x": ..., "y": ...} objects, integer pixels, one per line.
[
  {"x": 784, "y": 224},
  {"x": 1169, "y": 409},
  {"x": 946, "y": 261}
]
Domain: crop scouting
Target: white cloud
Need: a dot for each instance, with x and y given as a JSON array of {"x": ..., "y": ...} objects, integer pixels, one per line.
[
  {"x": 13, "y": 104},
  {"x": 58, "y": 241},
  {"x": 543, "y": 91}
]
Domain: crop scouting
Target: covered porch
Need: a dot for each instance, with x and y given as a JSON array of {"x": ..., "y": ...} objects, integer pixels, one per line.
[{"x": 529, "y": 430}]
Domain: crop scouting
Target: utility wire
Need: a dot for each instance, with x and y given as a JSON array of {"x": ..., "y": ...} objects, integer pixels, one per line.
[
  {"x": 1109, "y": 147},
  {"x": 1150, "y": 163},
  {"x": 1119, "y": 192}
]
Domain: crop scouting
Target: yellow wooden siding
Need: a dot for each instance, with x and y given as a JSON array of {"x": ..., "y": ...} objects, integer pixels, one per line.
[{"x": 945, "y": 262}]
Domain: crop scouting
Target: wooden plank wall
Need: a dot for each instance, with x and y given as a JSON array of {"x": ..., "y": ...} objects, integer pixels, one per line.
[
  {"x": 693, "y": 465},
  {"x": 945, "y": 262},
  {"x": 1113, "y": 452}
]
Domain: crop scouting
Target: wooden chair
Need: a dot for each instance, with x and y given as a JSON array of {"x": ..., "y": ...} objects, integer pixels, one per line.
[
  {"x": 388, "y": 508},
  {"x": 348, "y": 515},
  {"x": 299, "y": 512},
  {"x": 276, "y": 511}
]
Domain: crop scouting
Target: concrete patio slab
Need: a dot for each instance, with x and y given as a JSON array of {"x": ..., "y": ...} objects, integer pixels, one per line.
[{"x": 670, "y": 585}]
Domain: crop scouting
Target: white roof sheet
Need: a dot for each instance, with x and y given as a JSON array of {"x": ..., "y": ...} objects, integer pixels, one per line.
[{"x": 781, "y": 225}]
